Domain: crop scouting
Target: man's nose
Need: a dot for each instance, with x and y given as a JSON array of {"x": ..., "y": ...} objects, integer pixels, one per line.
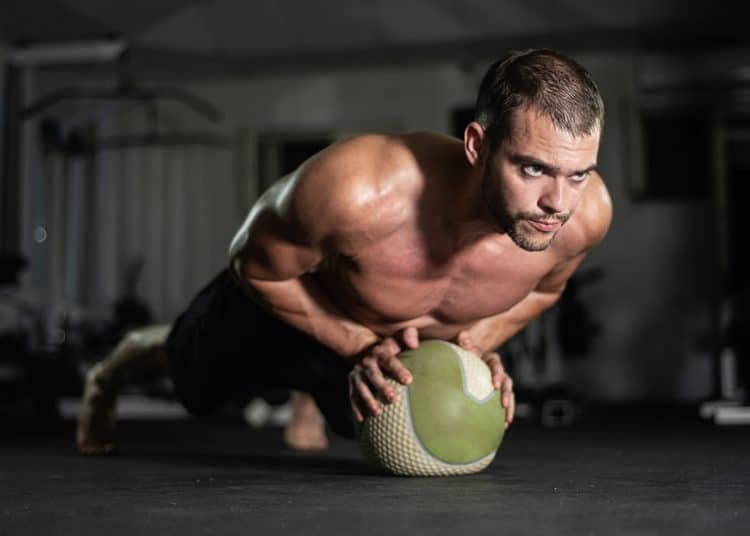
[{"x": 552, "y": 200}]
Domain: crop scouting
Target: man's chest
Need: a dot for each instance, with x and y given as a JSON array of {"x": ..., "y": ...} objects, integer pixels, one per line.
[{"x": 404, "y": 279}]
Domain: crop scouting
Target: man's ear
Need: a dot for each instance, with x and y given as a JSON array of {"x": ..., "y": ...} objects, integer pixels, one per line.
[{"x": 475, "y": 144}]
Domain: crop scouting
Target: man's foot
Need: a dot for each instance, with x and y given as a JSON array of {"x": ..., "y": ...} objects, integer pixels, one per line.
[
  {"x": 96, "y": 428},
  {"x": 306, "y": 430}
]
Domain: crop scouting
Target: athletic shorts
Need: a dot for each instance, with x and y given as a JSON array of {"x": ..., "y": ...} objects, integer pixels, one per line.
[{"x": 225, "y": 347}]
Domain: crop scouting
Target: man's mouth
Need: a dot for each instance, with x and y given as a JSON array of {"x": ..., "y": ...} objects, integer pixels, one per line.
[{"x": 545, "y": 226}]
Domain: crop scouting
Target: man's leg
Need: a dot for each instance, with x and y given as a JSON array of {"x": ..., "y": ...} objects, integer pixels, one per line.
[
  {"x": 225, "y": 347},
  {"x": 222, "y": 348},
  {"x": 138, "y": 359}
]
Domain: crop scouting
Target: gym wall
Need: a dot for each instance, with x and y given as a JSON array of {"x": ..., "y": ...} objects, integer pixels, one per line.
[
  {"x": 657, "y": 284},
  {"x": 654, "y": 301}
]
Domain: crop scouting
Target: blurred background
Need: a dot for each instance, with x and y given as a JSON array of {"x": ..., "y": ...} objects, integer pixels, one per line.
[{"x": 136, "y": 135}]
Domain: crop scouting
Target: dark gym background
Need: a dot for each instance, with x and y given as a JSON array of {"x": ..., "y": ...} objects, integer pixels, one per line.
[{"x": 135, "y": 137}]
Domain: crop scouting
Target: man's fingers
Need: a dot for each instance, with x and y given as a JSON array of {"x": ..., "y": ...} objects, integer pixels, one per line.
[
  {"x": 507, "y": 390},
  {"x": 363, "y": 394},
  {"x": 508, "y": 399},
  {"x": 395, "y": 368},
  {"x": 465, "y": 341},
  {"x": 354, "y": 398},
  {"x": 410, "y": 338},
  {"x": 369, "y": 402},
  {"x": 387, "y": 347},
  {"x": 376, "y": 379},
  {"x": 496, "y": 368},
  {"x": 355, "y": 407},
  {"x": 502, "y": 382}
]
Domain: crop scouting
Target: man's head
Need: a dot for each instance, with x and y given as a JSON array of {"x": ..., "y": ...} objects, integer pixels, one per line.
[{"x": 535, "y": 135}]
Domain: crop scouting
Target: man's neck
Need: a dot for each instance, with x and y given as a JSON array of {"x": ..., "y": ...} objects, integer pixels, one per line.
[{"x": 467, "y": 215}]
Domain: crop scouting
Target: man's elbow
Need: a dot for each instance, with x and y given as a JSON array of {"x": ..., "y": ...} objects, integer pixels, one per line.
[
  {"x": 236, "y": 268},
  {"x": 242, "y": 274},
  {"x": 551, "y": 297},
  {"x": 246, "y": 272}
]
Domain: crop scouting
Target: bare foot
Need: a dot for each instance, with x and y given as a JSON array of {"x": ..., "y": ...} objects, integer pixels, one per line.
[
  {"x": 306, "y": 430},
  {"x": 96, "y": 428}
]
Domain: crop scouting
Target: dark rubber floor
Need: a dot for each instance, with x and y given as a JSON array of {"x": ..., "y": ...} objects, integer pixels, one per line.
[{"x": 615, "y": 472}]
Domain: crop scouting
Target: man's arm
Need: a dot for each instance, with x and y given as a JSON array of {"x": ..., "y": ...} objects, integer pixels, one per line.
[
  {"x": 333, "y": 206},
  {"x": 491, "y": 332},
  {"x": 306, "y": 219},
  {"x": 273, "y": 257},
  {"x": 593, "y": 219}
]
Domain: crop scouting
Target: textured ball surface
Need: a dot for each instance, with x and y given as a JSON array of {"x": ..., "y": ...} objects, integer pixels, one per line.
[{"x": 448, "y": 421}]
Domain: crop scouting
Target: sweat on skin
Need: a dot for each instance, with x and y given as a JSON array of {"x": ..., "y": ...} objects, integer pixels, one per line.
[{"x": 381, "y": 240}]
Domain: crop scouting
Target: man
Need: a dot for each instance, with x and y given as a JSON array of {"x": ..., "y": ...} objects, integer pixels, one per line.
[{"x": 381, "y": 241}]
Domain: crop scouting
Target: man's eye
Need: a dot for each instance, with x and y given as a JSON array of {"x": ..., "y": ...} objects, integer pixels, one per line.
[
  {"x": 580, "y": 177},
  {"x": 532, "y": 171}
]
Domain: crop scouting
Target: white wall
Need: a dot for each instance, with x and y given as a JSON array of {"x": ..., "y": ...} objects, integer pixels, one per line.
[{"x": 654, "y": 300}]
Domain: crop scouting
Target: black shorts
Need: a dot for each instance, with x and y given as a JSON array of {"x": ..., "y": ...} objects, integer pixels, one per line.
[{"x": 225, "y": 347}]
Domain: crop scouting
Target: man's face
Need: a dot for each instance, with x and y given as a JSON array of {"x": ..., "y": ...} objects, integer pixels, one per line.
[{"x": 534, "y": 180}]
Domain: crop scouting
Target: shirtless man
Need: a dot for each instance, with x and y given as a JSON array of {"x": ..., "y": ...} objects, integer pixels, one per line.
[{"x": 378, "y": 242}]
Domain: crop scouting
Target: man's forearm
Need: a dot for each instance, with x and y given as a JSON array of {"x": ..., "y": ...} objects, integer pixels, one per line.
[
  {"x": 491, "y": 332},
  {"x": 301, "y": 303}
]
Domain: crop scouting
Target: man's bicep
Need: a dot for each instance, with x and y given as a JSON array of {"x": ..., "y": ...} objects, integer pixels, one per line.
[
  {"x": 329, "y": 206},
  {"x": 272, "y": 249}
]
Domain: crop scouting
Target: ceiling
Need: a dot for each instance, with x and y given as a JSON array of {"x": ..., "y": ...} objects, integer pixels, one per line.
[{"x": 225, "y": 37}]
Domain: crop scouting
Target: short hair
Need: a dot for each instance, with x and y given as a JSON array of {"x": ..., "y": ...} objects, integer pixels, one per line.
[{"x": 554, "y": 85}]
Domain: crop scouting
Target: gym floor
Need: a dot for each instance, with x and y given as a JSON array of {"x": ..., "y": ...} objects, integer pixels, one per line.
[{"x": 641, "y": 470}]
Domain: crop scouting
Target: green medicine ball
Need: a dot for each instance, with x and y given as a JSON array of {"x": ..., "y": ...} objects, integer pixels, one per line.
[{"x": 448, "y": 421}]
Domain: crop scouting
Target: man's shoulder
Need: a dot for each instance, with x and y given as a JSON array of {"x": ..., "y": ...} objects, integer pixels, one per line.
[
  {"x": 591, "y": 221},
  {"x": 362, "y": 184},
  {"x": 364, "y": 164}
]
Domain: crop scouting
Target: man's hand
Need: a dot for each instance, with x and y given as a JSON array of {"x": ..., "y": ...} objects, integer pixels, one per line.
[
  {"x": 500, "y": 380},
  {"x": 368, "y": 387}
]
